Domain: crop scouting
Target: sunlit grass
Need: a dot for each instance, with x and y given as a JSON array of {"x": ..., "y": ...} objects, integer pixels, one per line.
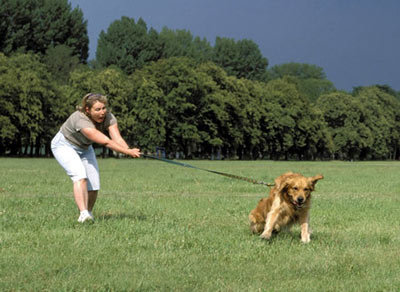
[{"x": 164, "y": 227}]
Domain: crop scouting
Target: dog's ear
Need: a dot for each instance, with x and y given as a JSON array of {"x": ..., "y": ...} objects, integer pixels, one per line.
[
  {"x": 282, "y": 183},
  {"x": 283, "y": 187},
  {"x": 315, "y": 179}
]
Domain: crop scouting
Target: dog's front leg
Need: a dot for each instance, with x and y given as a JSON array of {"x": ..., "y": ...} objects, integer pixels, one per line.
[
  {"x": 305, "y": 228},
  {"x": 270, "y": 222}
]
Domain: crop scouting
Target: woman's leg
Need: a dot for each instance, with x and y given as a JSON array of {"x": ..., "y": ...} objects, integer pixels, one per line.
[
  {"x": 68, "y": 157},
  {"x": 92, "y": 171},
  {"x": 81, "y": 194},
  {"x": 92, "y": 200}
]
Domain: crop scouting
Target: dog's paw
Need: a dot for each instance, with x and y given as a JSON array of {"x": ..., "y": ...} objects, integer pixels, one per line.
[
  {"x": 266, "y": 235},
  {"x": 305, "y": 238}
]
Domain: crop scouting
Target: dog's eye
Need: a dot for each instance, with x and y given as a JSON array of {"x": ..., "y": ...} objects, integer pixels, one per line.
[
  {"x": 296, "y": 188},
  {"x": 306, "y": 189}
]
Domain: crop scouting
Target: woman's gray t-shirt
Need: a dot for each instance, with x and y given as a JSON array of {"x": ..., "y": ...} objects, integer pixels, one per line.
[{"x": 71, "y": 129}]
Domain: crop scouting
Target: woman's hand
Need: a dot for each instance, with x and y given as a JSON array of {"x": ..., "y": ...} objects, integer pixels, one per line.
[{"x": 134, "y": 152}]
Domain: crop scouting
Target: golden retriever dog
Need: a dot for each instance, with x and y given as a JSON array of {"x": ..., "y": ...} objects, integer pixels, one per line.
[{"x": 288, "y": 203}]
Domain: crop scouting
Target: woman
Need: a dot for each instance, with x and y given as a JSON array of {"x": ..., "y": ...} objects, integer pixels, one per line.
[{"x": 72, "y": 147}]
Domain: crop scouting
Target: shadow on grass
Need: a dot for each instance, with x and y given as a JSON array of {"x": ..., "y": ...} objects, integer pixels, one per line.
[
  {"x": 290, "y": 236},
  {"x": 295, "y": 235},
  {"x": 120, "y": 216},
  {"x": 276, "y": 237}
]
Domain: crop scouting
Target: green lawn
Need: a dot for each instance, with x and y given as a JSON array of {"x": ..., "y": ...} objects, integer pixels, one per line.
[{"x": 162, "y": 227}]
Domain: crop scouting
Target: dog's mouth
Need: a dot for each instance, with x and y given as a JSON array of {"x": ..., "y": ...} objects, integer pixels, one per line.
[{"x": 296, "y": 204}]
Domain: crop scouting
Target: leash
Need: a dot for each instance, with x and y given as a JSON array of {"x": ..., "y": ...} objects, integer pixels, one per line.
[{"x": 250, "y": 180}]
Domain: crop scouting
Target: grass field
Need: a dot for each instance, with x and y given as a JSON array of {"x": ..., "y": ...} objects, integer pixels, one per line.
[{"x": 161, "y": 227}]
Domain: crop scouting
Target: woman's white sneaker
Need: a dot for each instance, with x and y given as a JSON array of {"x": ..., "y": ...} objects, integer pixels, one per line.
[{"x": 84, "y": 216}]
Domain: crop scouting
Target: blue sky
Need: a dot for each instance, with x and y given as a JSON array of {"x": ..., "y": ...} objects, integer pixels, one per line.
[{"x": 356, "y": 42}]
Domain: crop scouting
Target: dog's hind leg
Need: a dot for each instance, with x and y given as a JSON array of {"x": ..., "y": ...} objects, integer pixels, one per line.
[{"x": 256, "y": 226}]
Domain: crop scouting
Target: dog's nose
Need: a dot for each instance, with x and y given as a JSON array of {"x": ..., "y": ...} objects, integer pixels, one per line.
[{"x": 300, "y": 200}]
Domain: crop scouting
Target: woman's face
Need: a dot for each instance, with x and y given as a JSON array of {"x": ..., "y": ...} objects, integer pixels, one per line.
[{"x": 98, "y": 112}]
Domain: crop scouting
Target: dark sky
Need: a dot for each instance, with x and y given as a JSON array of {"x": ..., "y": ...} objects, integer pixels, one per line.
[{"x": 356, "y": 42}]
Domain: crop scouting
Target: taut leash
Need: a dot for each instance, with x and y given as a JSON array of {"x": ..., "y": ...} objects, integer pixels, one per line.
[{"x": 250, "y": 180}]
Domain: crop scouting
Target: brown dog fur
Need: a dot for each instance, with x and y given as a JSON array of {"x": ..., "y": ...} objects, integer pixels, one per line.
[{"x": 288, "y": 203}]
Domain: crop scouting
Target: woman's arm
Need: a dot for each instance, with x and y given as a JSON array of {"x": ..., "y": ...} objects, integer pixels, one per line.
[
  {"x": 115, "y": 135},
  {"x": 99, "y": 138}
]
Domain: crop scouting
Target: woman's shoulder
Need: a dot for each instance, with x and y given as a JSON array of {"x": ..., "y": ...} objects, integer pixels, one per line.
[
  {"x": 81, "y": 120},
  {"x": 78, "y": 115}
]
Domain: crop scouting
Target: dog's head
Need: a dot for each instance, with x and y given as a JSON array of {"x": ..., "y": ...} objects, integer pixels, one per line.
[{"x": 296, "y": 188}]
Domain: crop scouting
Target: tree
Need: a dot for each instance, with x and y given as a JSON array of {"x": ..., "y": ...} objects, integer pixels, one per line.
[
  {"x": 290, "y": 125},
  {"x": 364, "y": 125},
  {"x": 26, "y": 90},
  {"x": 61, "y": 62},
  {"x": 81, "y": 82},
  {"x": 188, "y": 107},
  {"x": 169, "y": 95},
  {"x": 225, "y": 104},
  {"x": 37, "y": 25},
  {"x": 8, "y": 129},
  {"x": 128, "y": 45},
  {"x": 180, "y": 43},
  {"x": 248, "y": 94},
  {"x": 385, "y": 88},
  {"x": 345, "y": 119},
  {"x": 242, "y": 59},
  {"x": 381, "y": 115},
  {"x": 310, "y": 80},
  {"x": 313, "y": 88},
  {"x": 299, "y": 70},
  {"x": 149, "y": 116}
]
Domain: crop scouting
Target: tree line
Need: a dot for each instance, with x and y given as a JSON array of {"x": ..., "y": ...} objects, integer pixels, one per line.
[{"x": 172, "y": 90}]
